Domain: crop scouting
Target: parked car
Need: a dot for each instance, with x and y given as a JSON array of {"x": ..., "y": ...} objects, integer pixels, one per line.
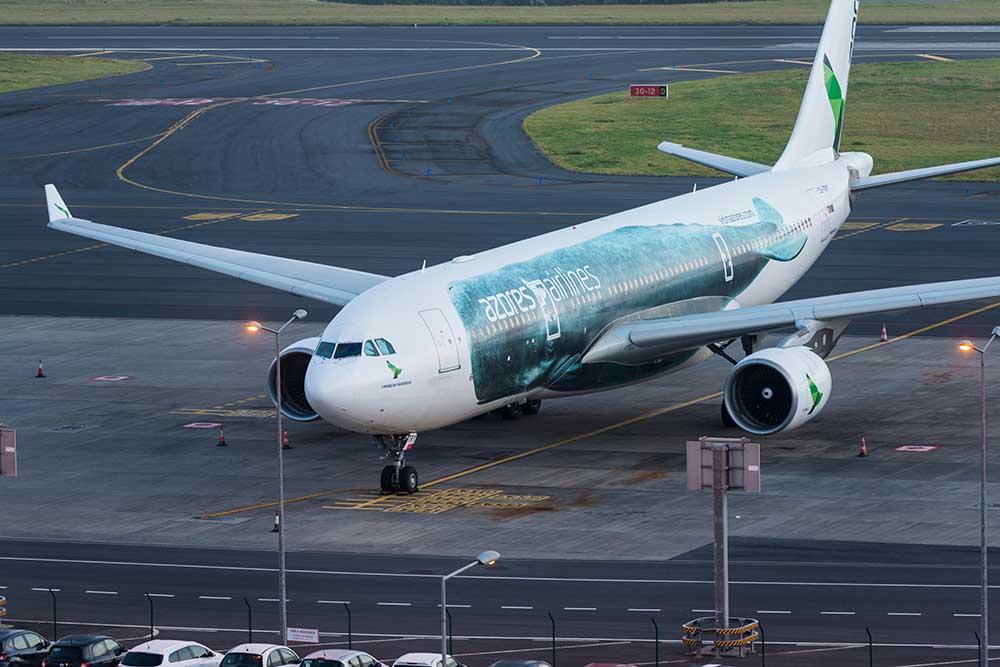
[
  {"x": 519, "y": 662},
  {"x": 259, "y": 655},
  {"x": 84, "y": 651},
  {"x": 22, "y": 648},
  {"x": 425, "y": 660},
  {"x": 339, "y": 657},
  {"x": 173, "y": 653}
]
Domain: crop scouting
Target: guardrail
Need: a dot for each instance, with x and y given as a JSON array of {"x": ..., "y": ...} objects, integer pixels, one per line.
[{"x": 701, "y": 637}]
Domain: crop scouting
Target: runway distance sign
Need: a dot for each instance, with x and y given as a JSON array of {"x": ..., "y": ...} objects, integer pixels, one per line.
[{"x": 649, "y": 90}]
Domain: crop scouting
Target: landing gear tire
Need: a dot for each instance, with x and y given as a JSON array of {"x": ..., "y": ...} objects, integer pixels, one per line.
[
  {"x": 512, "y": 411},
  {"x": 727, "y": 419},
  {"x": 389, "y": 484},
  {"x": 532, "y": 407},
  {"x": 408, "y": 480}
]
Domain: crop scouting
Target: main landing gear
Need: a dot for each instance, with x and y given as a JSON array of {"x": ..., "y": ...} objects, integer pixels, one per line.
[
  {"x": 397, "y": 477},
  {"x": 516, "y": 410}
]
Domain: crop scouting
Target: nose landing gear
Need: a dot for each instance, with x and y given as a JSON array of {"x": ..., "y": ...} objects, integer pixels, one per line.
[{"x": 397, "y": 477}]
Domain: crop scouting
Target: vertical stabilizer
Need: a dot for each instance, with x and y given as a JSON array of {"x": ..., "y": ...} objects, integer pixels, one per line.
[{"x": 816, "y": 136}]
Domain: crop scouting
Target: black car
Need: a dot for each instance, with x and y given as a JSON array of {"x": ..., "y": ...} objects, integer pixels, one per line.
[
  {"x": 22, "y": 648},
  {"x": 84, "y": 651}
]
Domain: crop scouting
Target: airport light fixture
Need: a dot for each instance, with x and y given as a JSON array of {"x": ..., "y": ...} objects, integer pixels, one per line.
[
  {"x": 255, "y": 327},
  {"x": 486, "y": 559},
  {"x": 984, "y": 642}
]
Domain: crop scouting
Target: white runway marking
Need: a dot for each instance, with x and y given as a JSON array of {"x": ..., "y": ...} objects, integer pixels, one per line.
[
  {"x": 333, "y": 602},
  {"x": 773, "y": 611},
  {"x": 966, "y": 615},
  {"x": 516, "y": 607},
  {"x": 837, "y": 613},
  {"x": 904, "y": 613},
  {"x": 102, "y": 592},
  {"x": 214, "y": 597},
  {"x": 160, "y": 595},
  {"x": 395, "y": 604},
  {"x": 579, "y": 608},
  {"x": 645, "y": 610},
  {"x": 46, "y": 590}
]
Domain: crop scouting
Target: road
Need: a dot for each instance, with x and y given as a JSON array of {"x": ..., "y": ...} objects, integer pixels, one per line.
[{"x": 804, "y": 592}]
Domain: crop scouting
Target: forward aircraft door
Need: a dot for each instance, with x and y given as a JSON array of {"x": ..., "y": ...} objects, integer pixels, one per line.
[{"x": 444, "y": 339}]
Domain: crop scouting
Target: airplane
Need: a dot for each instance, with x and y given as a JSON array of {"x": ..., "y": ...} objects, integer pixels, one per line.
[{"x": 595, "y": 306}]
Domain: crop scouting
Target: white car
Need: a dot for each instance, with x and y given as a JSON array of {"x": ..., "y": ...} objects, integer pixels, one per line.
[
  {"x": 425, "y": 660},
  {"x": 340, "y": 657},
  {"x": 259, "y": 655},
  {"x": 171, "y": 653}
]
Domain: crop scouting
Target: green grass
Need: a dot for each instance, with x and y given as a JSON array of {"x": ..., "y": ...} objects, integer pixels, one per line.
[
  {"x": 906, "y": 115},
  {"x": 19, "y": 72},
  {"x": 315, "y": 12}
]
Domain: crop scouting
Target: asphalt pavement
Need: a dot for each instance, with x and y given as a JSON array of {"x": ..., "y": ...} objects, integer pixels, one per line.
[
  {"x": 379, "y": 148},
  {"x": 804, "y": 592}
]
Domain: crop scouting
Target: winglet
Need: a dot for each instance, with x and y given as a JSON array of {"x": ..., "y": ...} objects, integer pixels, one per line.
[{"x": 57, "y": 207}]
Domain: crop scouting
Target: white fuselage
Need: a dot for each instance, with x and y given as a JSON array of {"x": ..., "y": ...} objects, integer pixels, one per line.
[{"x": 512, "y": 323}]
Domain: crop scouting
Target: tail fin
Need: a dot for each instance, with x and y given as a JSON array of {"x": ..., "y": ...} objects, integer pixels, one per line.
[{"x": 816, "y": 136}]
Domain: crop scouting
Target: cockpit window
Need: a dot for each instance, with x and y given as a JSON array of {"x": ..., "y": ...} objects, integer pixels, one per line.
[
  {"x": 370, "y": 350},
  {"x": 384, "y": 346},
  {"x": 347, "y": 350},
  {"x": 325, "y": 349}
]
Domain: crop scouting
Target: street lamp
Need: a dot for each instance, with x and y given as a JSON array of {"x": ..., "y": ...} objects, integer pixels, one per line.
[
  {"x": 487, "y": 559},
  {"x": 984, "y": 643},
  {"x": 254, "y": 327}
]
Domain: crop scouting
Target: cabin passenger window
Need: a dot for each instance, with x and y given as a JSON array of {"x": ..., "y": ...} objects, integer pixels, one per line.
[
  {"x": 384, "y": 346},
  {"x": 370, "y": 350},
  {"x": 347, "y": 350},
  {"x": 325, "y": 349}
]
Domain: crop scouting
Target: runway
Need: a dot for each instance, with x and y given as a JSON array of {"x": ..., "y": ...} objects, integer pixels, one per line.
[{"x": 380, "y": 148}]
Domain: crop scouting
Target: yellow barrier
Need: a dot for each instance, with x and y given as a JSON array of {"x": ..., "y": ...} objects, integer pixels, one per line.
[{"x": 701, "y": 637}]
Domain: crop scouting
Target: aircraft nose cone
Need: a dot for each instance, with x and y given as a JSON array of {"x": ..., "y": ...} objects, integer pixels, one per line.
[{"x": 330, "y": 391}]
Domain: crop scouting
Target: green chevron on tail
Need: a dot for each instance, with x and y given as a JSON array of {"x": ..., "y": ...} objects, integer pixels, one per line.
[{"x": 836, "y": 97}]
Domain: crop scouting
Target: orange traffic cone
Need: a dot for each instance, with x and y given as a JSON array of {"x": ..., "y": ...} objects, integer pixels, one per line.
[
  {"x": 284, "y": 440},
  {"x": 41, "y": 371},
  {"x": 222, "y": 436},
  {"x": 277, "y": 523},
  {"x": 864, "y": 448},
  {"x": 885, "y": 336}
]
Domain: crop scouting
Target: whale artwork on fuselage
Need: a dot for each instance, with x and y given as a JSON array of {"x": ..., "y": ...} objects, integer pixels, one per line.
[
  {"x": 602, "y": 304},
  {"x": 530, "y": 322}
]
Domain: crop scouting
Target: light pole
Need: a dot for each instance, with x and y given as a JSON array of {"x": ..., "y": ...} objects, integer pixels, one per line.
[
  {"x": 984, "y": 642},
  {"x": 488, "y": 559},
  {"x": 254, "y": 327}
]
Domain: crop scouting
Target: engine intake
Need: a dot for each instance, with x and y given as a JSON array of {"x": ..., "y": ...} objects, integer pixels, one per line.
[
  {"x": 777, "y": 389},
  {"x": 294, "y": 362}
]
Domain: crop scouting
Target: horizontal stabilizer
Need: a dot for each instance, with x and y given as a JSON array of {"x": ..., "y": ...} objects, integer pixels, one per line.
[
  {"x": 729, "y": 165},
  {"x": 926, "y": 172}
]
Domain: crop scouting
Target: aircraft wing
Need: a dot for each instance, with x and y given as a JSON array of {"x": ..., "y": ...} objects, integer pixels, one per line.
[
  {"x": 639, "y": 341},
  {"x": 316, "y": 281}
]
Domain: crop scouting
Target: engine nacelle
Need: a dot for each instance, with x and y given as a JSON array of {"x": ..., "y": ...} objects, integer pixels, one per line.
[
  {"x": 777, "y": 389},
  {"x": 294, "y": 362}
]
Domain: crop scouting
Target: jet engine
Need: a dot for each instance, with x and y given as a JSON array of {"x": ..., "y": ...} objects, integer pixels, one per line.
[
  {"x": 294, "y": 362},
  {"x": 777, "y": 389}
]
